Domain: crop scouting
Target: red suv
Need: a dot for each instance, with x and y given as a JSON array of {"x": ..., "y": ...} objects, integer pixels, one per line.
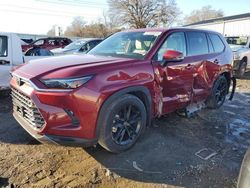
[
  {"x": 48, "y": 43},
  {"x": 111, "y": 94}
]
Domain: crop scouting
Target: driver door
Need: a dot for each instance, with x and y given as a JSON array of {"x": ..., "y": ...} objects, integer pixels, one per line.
[{"x": 174, "y": 78}]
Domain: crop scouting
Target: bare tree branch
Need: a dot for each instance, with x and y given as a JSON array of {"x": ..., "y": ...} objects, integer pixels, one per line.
[{"x": 144, "y": 13}]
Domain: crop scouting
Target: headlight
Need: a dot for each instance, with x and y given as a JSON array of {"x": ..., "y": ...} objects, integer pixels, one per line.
[
  {"x": 69, "y": 83},
  {"x": 236, "y": 56}
]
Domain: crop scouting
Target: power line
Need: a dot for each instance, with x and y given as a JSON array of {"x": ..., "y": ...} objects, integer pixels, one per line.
[
  {"x": 74, "y": 3},
  {"x": 45, "y": 11},
  {"x": 36, "y": 13}
]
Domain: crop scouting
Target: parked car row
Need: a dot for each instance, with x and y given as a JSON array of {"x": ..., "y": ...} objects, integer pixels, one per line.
[
  {"x": 11, "y": 51},
  {"x": 58, "y": 46},
  {"x": 111, "y": 94}
]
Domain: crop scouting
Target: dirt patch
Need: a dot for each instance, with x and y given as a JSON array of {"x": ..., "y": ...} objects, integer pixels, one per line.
[{"x": 163, "y": 157}]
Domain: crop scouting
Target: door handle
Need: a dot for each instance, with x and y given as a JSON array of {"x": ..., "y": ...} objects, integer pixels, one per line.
[{"x": 216, "y": 61}]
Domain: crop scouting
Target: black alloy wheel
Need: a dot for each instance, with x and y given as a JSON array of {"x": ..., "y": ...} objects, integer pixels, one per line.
[
  {"x": 218, "y": 93},
  {"x": 126, "y": 125}
]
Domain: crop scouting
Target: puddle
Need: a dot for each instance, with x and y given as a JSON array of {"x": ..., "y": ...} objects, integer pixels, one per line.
[
  {"x": 229, "y": 112},
  {"x": 232, "y": 105},
  {"x": 238, "y": 131}
]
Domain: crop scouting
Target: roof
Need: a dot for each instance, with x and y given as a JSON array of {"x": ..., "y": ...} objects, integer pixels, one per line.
[
  {"x": 235, "y": 17},
  {"x": 168, "y": 29}
]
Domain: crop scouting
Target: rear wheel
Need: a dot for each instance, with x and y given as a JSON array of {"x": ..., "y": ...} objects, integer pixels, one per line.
[
  {"x": 242, "y": 69},
  {"x": 218, "y": 93},
  {"x": 122, "y": 123}
]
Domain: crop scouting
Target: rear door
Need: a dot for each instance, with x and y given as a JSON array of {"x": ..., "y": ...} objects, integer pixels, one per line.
[
  {"x": 5, "y": 60},
  {"x": 205, "y": 60},
  {"x": 174, "y": 78},
  {"x": 206, "y": 51}
]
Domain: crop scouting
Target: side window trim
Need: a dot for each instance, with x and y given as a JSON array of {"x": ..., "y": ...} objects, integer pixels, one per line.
[
  {"x": 164, "y": 40},
  {"x": 209, "y": 41}
]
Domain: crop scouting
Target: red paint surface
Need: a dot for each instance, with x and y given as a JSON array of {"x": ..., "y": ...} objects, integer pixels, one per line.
[{"x": 172, "y": 87}]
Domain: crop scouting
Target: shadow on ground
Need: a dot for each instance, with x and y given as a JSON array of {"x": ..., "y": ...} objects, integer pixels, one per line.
[
  {"x": 166, "y": 153},
  {"x": 10, "y": 131}
]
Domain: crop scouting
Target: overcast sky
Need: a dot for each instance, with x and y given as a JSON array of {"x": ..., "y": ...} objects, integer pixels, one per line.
[{"x": 38, "y": 16}]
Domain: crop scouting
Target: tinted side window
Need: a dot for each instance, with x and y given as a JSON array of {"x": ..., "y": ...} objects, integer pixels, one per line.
[
  {"x": 175, "y": 41},
  {"x": 197, "y": 43},
  {"x": 217, "y": 43}
]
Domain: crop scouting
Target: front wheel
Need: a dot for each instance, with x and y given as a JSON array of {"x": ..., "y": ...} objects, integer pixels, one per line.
[
  {"x": 218, "y": 93},
  {"x": 122, "y": 123}
]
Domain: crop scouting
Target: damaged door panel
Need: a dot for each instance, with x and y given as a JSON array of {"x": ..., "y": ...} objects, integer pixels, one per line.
[
  {"x": 203, "y": 78},
  {"x": 175, "y": 84}
]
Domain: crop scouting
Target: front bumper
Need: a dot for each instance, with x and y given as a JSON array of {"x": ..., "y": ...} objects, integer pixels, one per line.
[
  {"x": 45, "y": 115},
  {"x": 54, "y": 139}
]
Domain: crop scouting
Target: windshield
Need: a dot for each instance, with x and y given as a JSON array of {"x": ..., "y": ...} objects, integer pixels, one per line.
[
  {"x": 3, "y": 46},
  {"x": 237, "y": 40},
  {"x": 75, "y": 45},
  {"x": 127, "y": 44}
]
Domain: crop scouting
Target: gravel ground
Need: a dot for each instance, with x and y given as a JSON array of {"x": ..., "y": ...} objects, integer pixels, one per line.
[{"x": 164, "y": 157}]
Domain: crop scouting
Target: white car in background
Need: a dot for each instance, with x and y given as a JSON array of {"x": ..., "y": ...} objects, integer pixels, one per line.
[
  {"x": 78, "y": 46},
  {"x": 241, "y": 49},
  {"x": 11, "y": 55}
]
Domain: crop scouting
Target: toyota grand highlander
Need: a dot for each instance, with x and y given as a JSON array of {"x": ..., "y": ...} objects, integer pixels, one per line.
[{"x": 111, "y": 94}]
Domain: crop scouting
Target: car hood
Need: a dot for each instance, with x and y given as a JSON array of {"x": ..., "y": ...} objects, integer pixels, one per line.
[{"x": 47, "y": 65}]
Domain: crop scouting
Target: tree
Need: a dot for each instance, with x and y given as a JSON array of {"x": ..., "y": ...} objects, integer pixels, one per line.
[
  {"x": 76, "y": 28},
  {"x": 144, "y": 13},
  {"x": 79, "y": 28},
  {"x": 55, "y": 31},
  {"x": 205, "y": 13}
]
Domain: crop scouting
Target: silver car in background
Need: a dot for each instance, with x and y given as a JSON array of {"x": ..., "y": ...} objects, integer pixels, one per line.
[{"x": 77, "y": 47}]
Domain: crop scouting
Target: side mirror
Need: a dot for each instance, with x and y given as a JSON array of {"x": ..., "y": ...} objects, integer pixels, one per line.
[{"x": 172, "y": 56}]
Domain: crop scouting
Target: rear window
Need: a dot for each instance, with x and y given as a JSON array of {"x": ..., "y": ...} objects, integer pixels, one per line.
[
  {"x": 197, "y": 43},
  {"x": 217, "y": 43},
  {"x": 3, "y": 46}
]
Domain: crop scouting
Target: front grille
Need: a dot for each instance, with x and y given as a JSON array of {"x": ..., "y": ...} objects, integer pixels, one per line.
[{"x": 25, "y": 108}]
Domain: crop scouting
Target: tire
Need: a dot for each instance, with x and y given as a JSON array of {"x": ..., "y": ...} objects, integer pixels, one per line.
[
  {"x": 119, "y": 132},
  {"x": 218, "y": 93},
  {"x": 242, "y": 69},
  {"x": 4, "y": 93}
]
